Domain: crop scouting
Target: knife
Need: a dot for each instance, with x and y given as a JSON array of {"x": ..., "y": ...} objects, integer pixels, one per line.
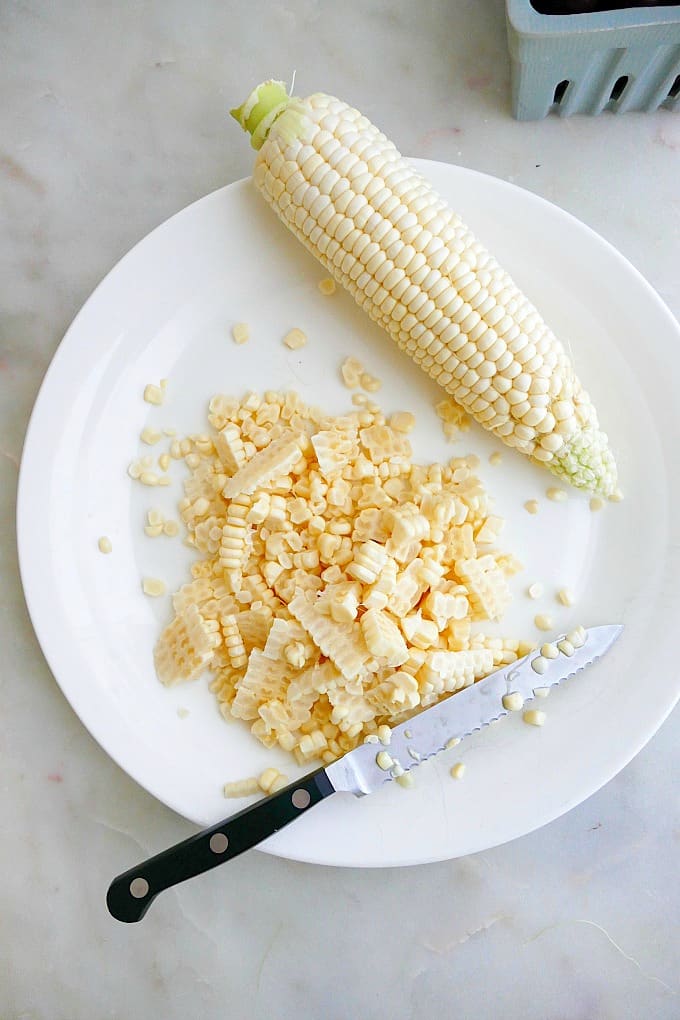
[{"x": 360, "y": 772}]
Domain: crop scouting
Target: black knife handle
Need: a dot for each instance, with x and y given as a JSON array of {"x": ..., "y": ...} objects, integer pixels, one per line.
[{"x": 131, "y": 894}]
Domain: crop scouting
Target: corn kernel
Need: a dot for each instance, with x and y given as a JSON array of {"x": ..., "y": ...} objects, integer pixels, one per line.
[
  {"x": 153, "y": 587},
  {"x": 402, "y": 421},
  {"x": 104, "y": 544},
  {"x": 149, "y": 436},
  {"x": 153, "y": 394},
  {"x": 370, "y": 383},
  {"x": 295, "y": 339},
  {"x": 556, "y": 495},
  {"x": 240, "y": 332},
  {"x": 513, "y": 702},
  {"x": 407, "y": 780},
  {"x": 327, "y": 286},
  {"x": 351, "y": 371}
]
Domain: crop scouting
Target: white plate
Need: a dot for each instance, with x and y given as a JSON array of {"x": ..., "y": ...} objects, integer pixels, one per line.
[{"x": 166, "y": 311}]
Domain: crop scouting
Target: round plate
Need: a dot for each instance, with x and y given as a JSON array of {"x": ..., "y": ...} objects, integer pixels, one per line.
[{"x": 166, "y": 311}]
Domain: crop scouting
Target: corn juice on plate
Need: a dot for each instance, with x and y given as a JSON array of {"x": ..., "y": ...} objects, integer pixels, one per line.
[{"x": 168, "y": 311}]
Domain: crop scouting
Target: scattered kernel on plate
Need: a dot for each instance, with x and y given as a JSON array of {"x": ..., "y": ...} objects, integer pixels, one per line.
[
  {"x": 170, "y": 528},
  {"x": 596, "y": 503},
  {"x": 577, "y": 637},
  {"x": 535, "y": 590},
  {"x": 457, "y": 771},
  {"x": 164, "y": 461},
  {"x": 351, "y": 371},
  {"x": 240, "y": 332},
  {"x": 104, "y": 544},
  {"x": 327, "y": 286},
  {"x": 149, "y": 436},
  {"x": 513, "y": 702},
  {"x": 153, "y": 530},
  {"x": 539, "y": 665},
  {"x": 453, "y": 742},
  {"x": 148, "y": 478},
  {"x": 549, "y": 650},
  {"x": 565, "y": 597},
  {"x": 402, "y": 421},
  {"x": 169, "y": 431},
  {"x": 153, "y": 586},
  {"x": 534, "y": 717},
  {"x": 541, "y": 692},
  {"x": 370, "y": 383},
  {"x": 384, "y": 734},
  {"x": 447, "y": 410},
  {"x": 295, "y": 339},
  {"x": 556, "y": 495},
  {"x": 531, "y": 506},
  {"x": 496, "y": 457},
  {"x": 543, "y": 621},
  {"x": 154, "y": 394},
  {"x": 616, "y": 496},
  {"x": 384, "y": 761},
  {"x": 242, "y": 788},
  {"x": 359, "y": 399},
  {"x": 271, "y": 780},
  {"x": 407, "y": 780}
]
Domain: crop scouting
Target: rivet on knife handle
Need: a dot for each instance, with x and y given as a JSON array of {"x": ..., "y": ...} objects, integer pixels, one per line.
[{"x": 131, "y": 894}]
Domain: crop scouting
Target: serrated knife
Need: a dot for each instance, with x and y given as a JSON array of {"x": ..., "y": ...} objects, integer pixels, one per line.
[{"x": 361, "y": 771}]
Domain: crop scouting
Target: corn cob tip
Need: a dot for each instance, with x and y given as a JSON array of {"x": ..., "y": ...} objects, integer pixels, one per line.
[
  {"x": 257, "y": 114},
  {"x": 586, "y": 462}
]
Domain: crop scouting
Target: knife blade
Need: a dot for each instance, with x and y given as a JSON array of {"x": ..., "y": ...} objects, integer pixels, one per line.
[
  {"x": 461, "y": 714},
  {"x": 360, "y": 772}
]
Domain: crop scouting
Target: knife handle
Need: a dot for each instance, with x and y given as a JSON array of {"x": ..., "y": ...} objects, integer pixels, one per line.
[{"x": 131, "y": 894}]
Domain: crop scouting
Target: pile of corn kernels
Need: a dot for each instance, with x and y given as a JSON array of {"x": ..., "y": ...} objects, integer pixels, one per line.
[{"x": 339, "y": 585}]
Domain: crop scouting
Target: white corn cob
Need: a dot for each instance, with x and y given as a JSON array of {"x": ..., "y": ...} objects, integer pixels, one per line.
[{"x": 383, "y": 232}]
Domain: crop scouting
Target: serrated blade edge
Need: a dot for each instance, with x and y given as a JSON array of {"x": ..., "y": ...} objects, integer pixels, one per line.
[{"x": 461, "y": 714}]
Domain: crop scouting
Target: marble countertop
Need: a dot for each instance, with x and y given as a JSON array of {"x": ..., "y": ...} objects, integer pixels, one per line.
[{"x": 113, "y": 118}]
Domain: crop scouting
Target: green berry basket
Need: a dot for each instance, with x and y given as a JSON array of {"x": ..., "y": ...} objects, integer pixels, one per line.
[{"x": 592, "y": 61}]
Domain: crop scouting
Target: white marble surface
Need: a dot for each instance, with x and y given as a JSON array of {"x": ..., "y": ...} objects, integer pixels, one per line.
[{"x": 112, "y": 117}]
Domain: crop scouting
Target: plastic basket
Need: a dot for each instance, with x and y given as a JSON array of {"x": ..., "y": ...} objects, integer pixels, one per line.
[{"x": 586, "y": 63}]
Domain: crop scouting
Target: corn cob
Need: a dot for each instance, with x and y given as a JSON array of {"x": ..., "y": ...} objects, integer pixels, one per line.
[{"x": 383, "y": 232}]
